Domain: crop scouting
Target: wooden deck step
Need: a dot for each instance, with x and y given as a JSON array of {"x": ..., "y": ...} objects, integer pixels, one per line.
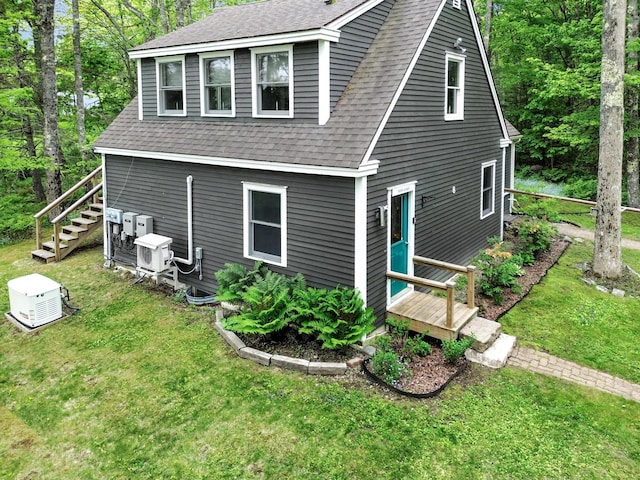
[
  {"x": 91, "y": 214},
  {"x": 43, "y": 255},
  {"x": 52, "y": 246},
  {"x": 74, "y": 229},
  {"x": 98, "y": 207},
  {"x": 427, "y": 313},
  {"x": 65, "y": 237},
  {"x": 83, "y": 221}
]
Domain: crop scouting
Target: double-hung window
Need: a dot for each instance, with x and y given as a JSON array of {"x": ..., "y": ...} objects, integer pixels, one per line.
[
  {"x": 171, "y": 91},
  {"x": 265, "y": 223},
  {"x": 487, "y": 202},
  {"x": 454, "y": 80},
  {"x": 272, "y": 81},
  {"x": 217, "y": 84}
]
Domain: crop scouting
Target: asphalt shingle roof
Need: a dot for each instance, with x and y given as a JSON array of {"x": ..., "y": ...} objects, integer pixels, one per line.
[
  {"x": 267, "y": 17},
  {"x": 342, "y": 142}
]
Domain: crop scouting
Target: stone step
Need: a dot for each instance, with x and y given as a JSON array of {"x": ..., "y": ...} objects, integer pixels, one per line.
[
  {"x": 485, "y": 331},
  {"x": 496, "y": 355}
]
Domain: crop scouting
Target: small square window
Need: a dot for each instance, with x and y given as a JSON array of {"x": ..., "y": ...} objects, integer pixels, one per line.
[
  {"x": 265, "y": 223},
  {"x": 488, "y": 186},
  {"x": 272, "y": 72},
  {"x": 454, "y": 81},
  {"x": 456, "y": 4},
  {"x": 170, "y": 78},
  {"x": 217, "y": 84}
]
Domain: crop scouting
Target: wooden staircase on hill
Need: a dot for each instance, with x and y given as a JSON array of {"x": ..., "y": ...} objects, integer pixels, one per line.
[
  {"x": 67, "y": 238},
  {"x": 436, "y": 316}
]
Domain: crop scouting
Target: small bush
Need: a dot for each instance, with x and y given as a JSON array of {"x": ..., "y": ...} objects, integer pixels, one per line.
[
  {"x": 387, "y": 365},
  {"x": 407, "y": 346},
  {"x": 454, "y": 349},
  {"x": 535, "y": 236},
  {"x": 498, "y": 270},
  {"x": 582, "y": 189},
  {"x": 543, "y": 209},
  {"x": 234, "y": 280}
]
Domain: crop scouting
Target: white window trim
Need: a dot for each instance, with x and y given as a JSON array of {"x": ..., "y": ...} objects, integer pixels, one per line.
[
  {"x": 254, "y": 80},
  {"x": 159, "y": 61},
  {"x": 203, "y": 89},
  {"x": 247, "y": 188},
  {"x": 484, "y": 214},
  {"x": 459, "y": 115},
  {"x": 457, "y": 4}
]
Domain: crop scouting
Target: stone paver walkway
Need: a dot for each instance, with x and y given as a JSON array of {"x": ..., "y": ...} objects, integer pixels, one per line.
[{"x": 541, "y": 362}]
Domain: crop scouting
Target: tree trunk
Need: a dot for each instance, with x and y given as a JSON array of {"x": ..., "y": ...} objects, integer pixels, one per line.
[
  {"x": 52, "y": 150},
  {"x": 164, "y": 20},
  {"x": 487, "y": 27},
  {"x": 632, "y": 147},
  {"x": 77, "y": 68},
  {"x": 607, "y": 260},
  {"x": 36, "y": 174},
  {"x": 179, "y": 14}
]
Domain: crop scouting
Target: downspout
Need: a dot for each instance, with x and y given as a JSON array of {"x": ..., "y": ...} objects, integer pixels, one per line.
[{"x": 189, "y": 260}]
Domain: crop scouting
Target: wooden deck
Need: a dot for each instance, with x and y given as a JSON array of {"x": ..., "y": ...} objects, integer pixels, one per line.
[{"x": 428, "y": 313}]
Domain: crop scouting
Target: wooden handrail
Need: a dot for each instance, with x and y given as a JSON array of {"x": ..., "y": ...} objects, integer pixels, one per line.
[
  {"x": 448, "y": 286},
  {"x": 565, "y": 199},
  {"x": 91, "y": 177}
]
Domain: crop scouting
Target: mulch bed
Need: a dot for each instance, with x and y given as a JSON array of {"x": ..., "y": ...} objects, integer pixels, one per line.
[{"x": 429, "y": 374}]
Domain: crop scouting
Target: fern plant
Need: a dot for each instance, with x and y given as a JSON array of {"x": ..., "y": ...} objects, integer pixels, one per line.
[
  {"x": 265, "y": 306},
  {"x": 234, "y": 280}
]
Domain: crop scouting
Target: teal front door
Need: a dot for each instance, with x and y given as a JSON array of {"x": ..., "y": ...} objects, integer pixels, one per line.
[{"x": 399, "y": 241}]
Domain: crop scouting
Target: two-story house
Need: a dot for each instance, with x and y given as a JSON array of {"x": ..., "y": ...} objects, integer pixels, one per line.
[{"x": 335, "y": 139}]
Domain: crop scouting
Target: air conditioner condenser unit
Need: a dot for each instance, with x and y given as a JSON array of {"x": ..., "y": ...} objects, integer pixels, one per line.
[
  {"x": 35, "y": 300},
  {"x": 154, "y": 252}
]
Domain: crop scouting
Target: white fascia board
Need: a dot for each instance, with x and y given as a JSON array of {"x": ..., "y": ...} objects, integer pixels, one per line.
[
  {"x": 371, "y": 168},
  {"x": 505, "y": 142},
  {"x": 323, "y": 33},
  {"x": 487, "y": 69},
  {"x": 403, "y": 83},
  {"x": 353, "y": 14}
]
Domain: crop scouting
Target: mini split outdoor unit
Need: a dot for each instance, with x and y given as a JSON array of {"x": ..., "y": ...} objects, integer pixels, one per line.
[
  {"x": 154, "y": 253},
  {"x": 35, "y": 300}
]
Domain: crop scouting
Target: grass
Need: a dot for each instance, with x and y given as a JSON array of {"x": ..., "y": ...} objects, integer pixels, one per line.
[{"x": 136, "y": 386}]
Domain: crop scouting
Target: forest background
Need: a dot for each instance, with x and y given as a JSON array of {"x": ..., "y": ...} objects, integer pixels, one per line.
[{"x": 545, "y": 57}]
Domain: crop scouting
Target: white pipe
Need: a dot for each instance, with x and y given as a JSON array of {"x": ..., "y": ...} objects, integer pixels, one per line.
[{"x": 189, "y": 260}]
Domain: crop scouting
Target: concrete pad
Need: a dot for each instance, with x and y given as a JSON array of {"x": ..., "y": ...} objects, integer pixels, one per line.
[
  {"x": 257, "y": 356},
  {"x": 485, "y": 331},
  {"x": 290, "y": 363},
  {"x": 230, "y": 337},
  {"x": 327, "y": 368},
  {"x": 495, "y": 356}
]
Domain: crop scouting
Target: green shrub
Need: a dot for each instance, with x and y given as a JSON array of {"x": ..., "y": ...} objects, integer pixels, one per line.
[
  {"x": 498, "y": 270},
  {"x": 387, "y": 365},
  {"x": 454, "y": 349},
  {"x": 405, "y": 345},
  {"x": 535, "y": 236},
  {"x": 546, "y": 209},
  {"x": 582, "y": 189},
  {"x": 417, "y": 347}
]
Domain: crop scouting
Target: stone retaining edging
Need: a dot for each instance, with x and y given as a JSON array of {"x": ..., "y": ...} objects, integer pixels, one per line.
[{"x": 282, "y": 361}]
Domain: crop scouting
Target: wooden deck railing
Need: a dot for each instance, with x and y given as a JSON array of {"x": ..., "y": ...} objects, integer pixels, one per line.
[
  {"x": 448, "y": 287},
  {"x": 92, "y": 178}
]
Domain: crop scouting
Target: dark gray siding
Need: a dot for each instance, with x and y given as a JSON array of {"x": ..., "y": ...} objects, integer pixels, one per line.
[
  {"x": 319, "y": 213},
  {"x": 355, "y": 39},
  {"x": 305, "y": 67},
  {"x": 417, "y": 144}
]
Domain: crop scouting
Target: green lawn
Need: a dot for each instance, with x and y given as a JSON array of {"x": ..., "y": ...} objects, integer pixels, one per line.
[{"x": 136, "y": 386}]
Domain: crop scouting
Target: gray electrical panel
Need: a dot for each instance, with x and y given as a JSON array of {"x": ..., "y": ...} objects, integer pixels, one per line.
[
  {"x": 129, "y": 223},
  {"x": 144, "y": 225}
]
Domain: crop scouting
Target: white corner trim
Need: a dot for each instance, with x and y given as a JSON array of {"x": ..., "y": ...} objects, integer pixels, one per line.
[
  {"x": 360, "y": 238},
  {"x": 403, "y": 83},
  {"x": 323, "y": 33},
  {"x": 140, "y": 108},
  {"x": 324, "y": 81},
  {"x": 353, "y": 14},
  {"x": 370, "y": 168}
]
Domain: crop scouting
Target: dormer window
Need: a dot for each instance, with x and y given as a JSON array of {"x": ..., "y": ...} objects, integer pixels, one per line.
[
  {"x": 217, "y": 84},
  {"x": 272, "y": 75},
  {"x": 170, "y": 80}
]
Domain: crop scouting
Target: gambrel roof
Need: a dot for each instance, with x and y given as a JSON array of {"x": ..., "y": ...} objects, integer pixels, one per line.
[{"x": 344, "y": 142}]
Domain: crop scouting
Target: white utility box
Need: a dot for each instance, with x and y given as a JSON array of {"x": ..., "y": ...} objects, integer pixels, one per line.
[
  {"x": 154, "y": 253},
  {"x": 35, "y": 299}
]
